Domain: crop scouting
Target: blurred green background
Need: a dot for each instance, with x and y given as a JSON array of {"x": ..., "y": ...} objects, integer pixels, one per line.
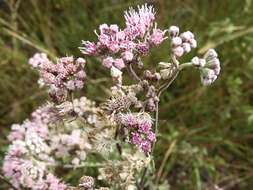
[{"x": 207, "y": 133}]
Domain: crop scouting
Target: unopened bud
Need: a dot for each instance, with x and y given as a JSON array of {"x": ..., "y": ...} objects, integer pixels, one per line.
[{"x": 174, "y": 31}]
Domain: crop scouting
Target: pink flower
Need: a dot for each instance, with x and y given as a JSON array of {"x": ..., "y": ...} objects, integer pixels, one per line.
[
  {"x": 151, "y": 136},
  {"x": 70, "y": 85},
  {"x": 136, "y": 139},
  {"x": 108, "y": 62},
  {"x": 139, "y": 22},
  {"x": 89, "y": 48},
  {"x": 157, "y": 37},
  {"x": 144, "y": 127},
  {"x": 119, "y": 63},
  {"x": 145, "y": 146},
  {"x": 128, "y": 55},
  {"x": 38, "y": 59},
  {"x": 143, "y": 48},
  {"x": 17, "y": 132}
]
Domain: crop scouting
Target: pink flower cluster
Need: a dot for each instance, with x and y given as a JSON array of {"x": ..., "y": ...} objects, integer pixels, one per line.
[
  {"x": 139, "y": 127},
  {"x": 209, "y": 67},
  {"x": 182, "y": 43},
  {"x": 118, "y": 47},
  {"x": 66, "y": 75},
  {"x": 26, "y": 162}
]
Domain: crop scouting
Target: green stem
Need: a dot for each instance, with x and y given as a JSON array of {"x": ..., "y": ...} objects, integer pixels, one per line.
[{"x": 184, "y": 65}]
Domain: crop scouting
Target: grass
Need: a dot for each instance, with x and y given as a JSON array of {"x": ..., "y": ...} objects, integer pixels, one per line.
[{"x": 206, "y": 132}]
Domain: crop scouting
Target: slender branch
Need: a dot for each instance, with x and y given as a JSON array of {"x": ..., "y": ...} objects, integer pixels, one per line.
[
  {"x": 160, "y": 91},
  {"x": 132, "y": 72},
  {"x": 163, "y": 88},
  {"x": 184, "y": 65}
]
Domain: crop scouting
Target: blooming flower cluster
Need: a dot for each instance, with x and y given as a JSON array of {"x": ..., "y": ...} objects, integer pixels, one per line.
[
  {"x": 66, "y": 75},
  {"x": 29, "y": 155},
  {"x": 63, "y": 133},
  {"x": 209, "y": 66},
  {"x": 181, "y": 43},
  {"x": 139, "y": 128},
  {"x": 119, "y": 47}
]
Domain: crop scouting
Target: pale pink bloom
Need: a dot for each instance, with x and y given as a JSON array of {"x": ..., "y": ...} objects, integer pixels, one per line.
[
  {"x": 119, "y": 63},
  {"x": 89, "y": 48},
  {"x": 70, "y": 85},
  {"x": 114, "y": 28},
  {"x": 139, "y": 22},
  {"x": 17, "y": 132},
  {"x": 38, "y": 60},
  {"x": 128, "y": 55},
  {"x": 81, "y": 61},
  {"x": 108, "y": 62},
  {"x": 157, "y": 37},
  {"x": 80, "y": 75},
  {"x": 79, "y": 84}
]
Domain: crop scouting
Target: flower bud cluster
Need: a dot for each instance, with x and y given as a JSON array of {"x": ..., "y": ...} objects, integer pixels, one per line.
[
  {"x": 181, "y": 43},
  {"x": 66, "y": 75},
  {"x": 209, "y": 67},
  {"x": 139, "y": 128}
]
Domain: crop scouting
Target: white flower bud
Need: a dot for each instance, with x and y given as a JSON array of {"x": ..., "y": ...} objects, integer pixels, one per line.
[
  {"x": 193, "y": 43},
  {"x": 178, "y": 51},
  {"x": 186, "y": 47},
  {"x": 174, "y": 31},
  {"x": 186, "y": 36},
  {"x": 177, "y": 41}
]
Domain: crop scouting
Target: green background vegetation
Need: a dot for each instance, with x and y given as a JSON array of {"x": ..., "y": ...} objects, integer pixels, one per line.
[{"x": 206, "y": 133}]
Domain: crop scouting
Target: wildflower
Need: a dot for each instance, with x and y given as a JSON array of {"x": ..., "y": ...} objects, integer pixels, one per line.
[
  {"x": 108, "y": 62},
  {"x": 157, "y": 37},
  {"x": 138, "y": 23},
  {"x": 140, "y": 130},
  {"x": 128, "y": 55},
  {"x": 89, "y": 48},
  {"x": 66, "y": 74}
]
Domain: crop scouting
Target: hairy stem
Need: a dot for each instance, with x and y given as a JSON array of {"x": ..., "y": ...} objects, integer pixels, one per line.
[
  {"x": 132, "y": 72},
  {"x": 159, "y": 93}
]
